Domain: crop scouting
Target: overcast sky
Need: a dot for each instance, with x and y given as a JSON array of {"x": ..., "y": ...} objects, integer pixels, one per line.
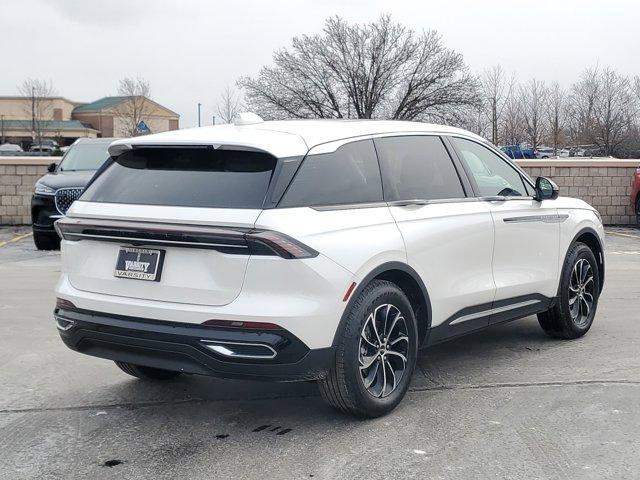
[{"x": 190, "y": 49}]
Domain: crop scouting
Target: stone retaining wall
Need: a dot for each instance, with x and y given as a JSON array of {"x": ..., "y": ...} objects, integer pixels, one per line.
[
  {"x": 18, "y": 175},
  {"x": 604, "y": 183}
]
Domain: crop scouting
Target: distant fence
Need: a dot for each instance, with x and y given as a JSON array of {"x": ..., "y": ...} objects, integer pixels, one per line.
[{"x": 604, "y": 183}]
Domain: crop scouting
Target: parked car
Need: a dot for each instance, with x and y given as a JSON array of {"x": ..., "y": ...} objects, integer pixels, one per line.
[
  {"x": 316, "y": 250},
  {"x": 515, "y": 151},
  {"x": 55, "y": 192},
  {"x": 8, "y": 148},
  {"x": 545, "y": 152},
  {"x": 635, "y": 194},
  {"x": 44, "y": 145}
]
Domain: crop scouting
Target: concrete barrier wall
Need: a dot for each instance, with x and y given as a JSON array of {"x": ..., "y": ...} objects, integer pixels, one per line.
[
  {"x": 601, "y": 182},
  {"x": 18, "y": 176},
  {"x": 604, "y": 183}
]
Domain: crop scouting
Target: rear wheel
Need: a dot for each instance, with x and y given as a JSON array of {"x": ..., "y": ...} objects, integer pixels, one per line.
[
  {"x": 376, "y": 354},
  {"x": 46, "y": 241},
  {"x": 574, "y": 311},
  {"x": 146, "y": 373}
]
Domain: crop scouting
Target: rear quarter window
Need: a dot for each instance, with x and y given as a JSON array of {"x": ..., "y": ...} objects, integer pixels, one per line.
[
  {"x": 350, "y": 175},
  {"x": 186, "y": 177}
]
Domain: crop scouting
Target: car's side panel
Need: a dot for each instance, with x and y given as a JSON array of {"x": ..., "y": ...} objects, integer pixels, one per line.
[
  {"x": 357, "y": 238},
  {"x": 526, "y": 254},
  {"x": 450, "y": 245},
  {"x": 581, "y": 218}
]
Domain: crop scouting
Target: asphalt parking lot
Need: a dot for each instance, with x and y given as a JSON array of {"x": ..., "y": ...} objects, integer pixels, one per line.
[{"x": 506, "y": 403}]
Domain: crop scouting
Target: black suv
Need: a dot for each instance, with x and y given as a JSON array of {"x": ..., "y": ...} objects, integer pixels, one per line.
[{"x": 55, "y": 192}]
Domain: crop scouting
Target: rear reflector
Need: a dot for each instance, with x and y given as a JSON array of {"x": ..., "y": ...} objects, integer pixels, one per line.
[
  {"x": 65, "y": 304},
  {"x": 349, "y": 292},
  {"x": 245, "y": 325}
]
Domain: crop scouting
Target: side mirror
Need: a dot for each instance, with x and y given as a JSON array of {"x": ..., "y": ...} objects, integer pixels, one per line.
[
  {"x": 546, "y": 189},
  {"x": 52, "y": 167}
]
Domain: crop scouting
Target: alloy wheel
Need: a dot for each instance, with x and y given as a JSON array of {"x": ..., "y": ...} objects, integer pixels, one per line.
[
  {"x": 383, "y": 350},
  {"x": 581, "y": 292}
]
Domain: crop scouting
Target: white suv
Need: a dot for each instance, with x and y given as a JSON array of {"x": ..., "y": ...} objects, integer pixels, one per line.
[{"x": 316, "y": 250}]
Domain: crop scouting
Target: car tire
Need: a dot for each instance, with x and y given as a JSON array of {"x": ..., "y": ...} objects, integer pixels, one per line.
[
  {"x": 638, "y": 210},
  {"x": 375, "y": 354},
  {"x": 572, "y": 315},
  {"x": 146, "y": 373},
  {"x": 46, "y": 241}
]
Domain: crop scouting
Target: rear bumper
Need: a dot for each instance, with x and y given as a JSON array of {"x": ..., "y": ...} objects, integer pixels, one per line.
[{"x": 182, "y": 347}]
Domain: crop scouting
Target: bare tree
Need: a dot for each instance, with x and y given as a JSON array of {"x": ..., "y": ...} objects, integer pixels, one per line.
[
  {"x": 495, "y": 91},
  {"x": 136, "y": 108},
  {"x": 513, "y": 124},
  {"x": 556, "y": 115},
  {"x": 229, "y": 105},
  {"x": 377, "y": 70},
  {"x": 39, "y": 106},
  {"x": 603, "y": 106},
  {"x": 581, "y": 106},
  {"x": 533, "y": 98}
]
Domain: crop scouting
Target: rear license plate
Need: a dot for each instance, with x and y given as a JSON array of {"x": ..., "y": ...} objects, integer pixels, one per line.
[{"x": 139, "y": 264}]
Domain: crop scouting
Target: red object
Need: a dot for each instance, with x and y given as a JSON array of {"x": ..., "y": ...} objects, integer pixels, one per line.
[
  {"x": 245, "y": 325},
  {"x": 635, "y": 193},
  {"x": 349, "y": 292}
]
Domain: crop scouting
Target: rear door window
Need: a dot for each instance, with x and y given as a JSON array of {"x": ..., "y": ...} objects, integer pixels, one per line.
[
  {"x": 350, "y": 175},
  {"x": 185, "y": 177},
  {"x": 417, "y": 167}
]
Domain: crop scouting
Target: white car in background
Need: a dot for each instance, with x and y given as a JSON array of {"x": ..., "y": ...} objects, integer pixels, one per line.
[
  {"x": 545, "y": 152},
  {"x": 10, "y": 148},
  {"x": 316, "y": 250}
]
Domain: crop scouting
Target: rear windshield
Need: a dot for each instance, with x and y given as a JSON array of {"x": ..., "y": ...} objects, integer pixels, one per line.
[{"x": 185, "y": 177}]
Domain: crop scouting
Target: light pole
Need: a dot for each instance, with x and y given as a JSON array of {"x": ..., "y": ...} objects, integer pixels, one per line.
[
  {"x": 199, "y": 105},
  {"x": 214, "y": 120}
]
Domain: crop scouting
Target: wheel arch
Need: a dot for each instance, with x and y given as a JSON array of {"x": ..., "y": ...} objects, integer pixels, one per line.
[
  {"x": 590, "y": 238},
  {"x": 409, "y": 282}
]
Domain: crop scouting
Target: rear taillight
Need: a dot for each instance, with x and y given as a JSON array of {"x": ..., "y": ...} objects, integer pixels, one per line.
[{"x": 279, "y": 243}]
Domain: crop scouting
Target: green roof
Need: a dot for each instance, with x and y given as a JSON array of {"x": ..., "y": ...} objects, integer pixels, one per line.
[
  {"x": 99, "y": 105},
  {"x": 54, "y": 125}
]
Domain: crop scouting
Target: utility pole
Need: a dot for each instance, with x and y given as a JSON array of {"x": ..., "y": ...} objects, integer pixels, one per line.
[
  {"x": 199, "y": 105},
  {"x": 33, "y": 109}
]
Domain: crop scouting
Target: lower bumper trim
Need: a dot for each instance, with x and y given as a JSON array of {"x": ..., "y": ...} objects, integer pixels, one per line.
[{"x": 179, "y": 347}]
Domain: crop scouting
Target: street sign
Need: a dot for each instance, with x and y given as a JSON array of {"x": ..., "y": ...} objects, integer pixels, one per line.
[{"x": 142, "y": 128}]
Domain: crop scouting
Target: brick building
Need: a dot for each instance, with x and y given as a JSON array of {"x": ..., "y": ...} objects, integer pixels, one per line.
[{"x": 65, "y": 121}]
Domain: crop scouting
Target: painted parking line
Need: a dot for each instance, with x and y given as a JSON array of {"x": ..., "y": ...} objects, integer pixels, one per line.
[
  {"x": 620, "y": 234},
  {"x": 15, "y": 239}
]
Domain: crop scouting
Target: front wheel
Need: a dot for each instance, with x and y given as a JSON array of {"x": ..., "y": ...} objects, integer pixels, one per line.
[
  {"x": 375, "y": 355},
  {"x": 46, "y": 241},
  {"x": 575, "y": 308}
]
